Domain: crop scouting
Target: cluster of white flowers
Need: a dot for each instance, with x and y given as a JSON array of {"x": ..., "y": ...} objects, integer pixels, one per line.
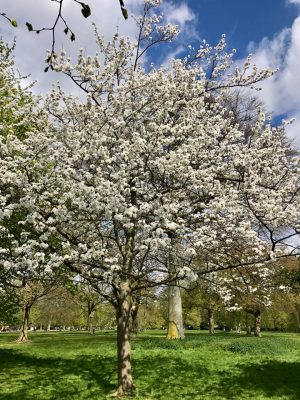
[{"x": 149, "y": 157}]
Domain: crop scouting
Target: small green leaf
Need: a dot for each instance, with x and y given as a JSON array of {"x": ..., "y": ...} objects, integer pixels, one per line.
[
  {"x": 29, "y": 26},
  {"x": 85, "y": 10},
  {"x": 124, "y": 12},
  {"x": 72, "y": 37},
  {"x": 66, "y": 30},
  {"x": 14, "y": 23}
]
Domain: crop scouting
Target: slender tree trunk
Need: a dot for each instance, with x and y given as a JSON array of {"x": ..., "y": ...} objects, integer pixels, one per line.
[
  {"x": 248, "y": 325},
  {"x": 297, "y": 319},
  {"x": 90, "y": 318},
  {"x": 49, "y": 326},
  {"x": 134, "y": 329},
  {"x": 23, "y": 336},
  {"x": 125, "y": 380},
  {"x": 211, "y": 321},
  {"x": 90, "y": 322},
  {"x": 175, "y": 321},
  {"x": 257, "y": 331}
]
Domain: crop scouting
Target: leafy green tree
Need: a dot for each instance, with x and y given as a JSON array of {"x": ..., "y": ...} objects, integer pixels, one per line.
[
  {"x": 8, "y": 309},
  {"x": 59, "y": 307}
]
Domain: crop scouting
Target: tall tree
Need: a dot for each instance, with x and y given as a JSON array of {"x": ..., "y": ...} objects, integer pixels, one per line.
[{"x": 107, "y": 185}]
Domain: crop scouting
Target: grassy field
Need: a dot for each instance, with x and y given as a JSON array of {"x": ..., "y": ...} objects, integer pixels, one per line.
[{"x": 80, "y": 366}]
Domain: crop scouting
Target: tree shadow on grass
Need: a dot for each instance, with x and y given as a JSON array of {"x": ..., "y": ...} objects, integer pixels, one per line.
[
  {"x": 158, "y": 376},
  {"x": 162, "y": 377},
  {"x": 268, "y": 378},
  {"x": 176, "y": 378},
  {"x": 28, "y": 377}
]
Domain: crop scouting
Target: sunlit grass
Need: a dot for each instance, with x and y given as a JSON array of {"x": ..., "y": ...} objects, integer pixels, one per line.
[{"x": 80, "y": 366}]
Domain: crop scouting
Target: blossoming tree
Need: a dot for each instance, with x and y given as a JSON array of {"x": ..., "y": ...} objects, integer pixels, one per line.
[
  {"x": 126, "y": 188},
  {"x": 251, "y": 290}
]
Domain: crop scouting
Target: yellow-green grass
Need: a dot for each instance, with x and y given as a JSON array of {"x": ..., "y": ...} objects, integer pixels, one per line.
[{"x": 81, "y": 366}]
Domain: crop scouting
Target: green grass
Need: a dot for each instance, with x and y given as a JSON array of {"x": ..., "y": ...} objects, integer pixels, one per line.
[{"x": 79, "y": 366}]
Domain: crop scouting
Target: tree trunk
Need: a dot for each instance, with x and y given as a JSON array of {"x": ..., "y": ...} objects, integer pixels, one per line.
[
  {"x": 134, "y": 329},
  {"x": 23, "y": 336},
  {"x": 297, "y": 319},
  {"x": 90, "y": 318},
  {"x": 211, "y": 321},
  {"x": 175, "y": 322},
  {"x": 257, "y": 331},
  {"x": 49, "y": 326},
  {"x": 90, "y": 323},
  {"x": 248, "y": 325},
  {"x": 125, "y": 380}
]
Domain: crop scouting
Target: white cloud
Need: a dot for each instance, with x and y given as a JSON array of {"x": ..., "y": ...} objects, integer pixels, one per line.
[
  {"x": 293, "y": 130},
  {"x": 185, "y": 18},
  {"x": 293, "y": 2},
  {"x": 281, "y": 93},
  {"x": 31, "y": 48},
  {"x": 179, "y": 15}
]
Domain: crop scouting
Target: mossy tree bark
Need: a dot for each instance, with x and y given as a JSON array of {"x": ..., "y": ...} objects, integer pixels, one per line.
[{"x": 175, "y": 321}]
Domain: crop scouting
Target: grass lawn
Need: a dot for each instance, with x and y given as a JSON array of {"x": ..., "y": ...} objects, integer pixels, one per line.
[{"x": 80, "y": 366}]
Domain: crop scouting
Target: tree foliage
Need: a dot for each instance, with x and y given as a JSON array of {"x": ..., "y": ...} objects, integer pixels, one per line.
[{"x": 152, "y": 164}]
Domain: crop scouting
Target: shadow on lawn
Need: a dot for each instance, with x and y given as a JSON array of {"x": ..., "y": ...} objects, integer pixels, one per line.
[
  {"x": 269, "y": 378},
  {"x": 176, "y": 379},
  {"x": 84, "y": 377},
  {"x": 156, "y": 375}
]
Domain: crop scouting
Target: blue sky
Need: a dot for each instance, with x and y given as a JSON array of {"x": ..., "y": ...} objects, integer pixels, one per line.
[
  {"x": 270, "y": 29},
  {"x": 243, "y": 21}
]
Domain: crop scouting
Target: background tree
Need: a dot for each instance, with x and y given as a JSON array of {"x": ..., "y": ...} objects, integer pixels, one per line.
[
  {"x": 211, "y": 298},
  {"x": 251, "y": 289},
  {"x": 89, "y": 300},
  {"x": 8, "y": 309},
  {"x": 58, "y": 308}
]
